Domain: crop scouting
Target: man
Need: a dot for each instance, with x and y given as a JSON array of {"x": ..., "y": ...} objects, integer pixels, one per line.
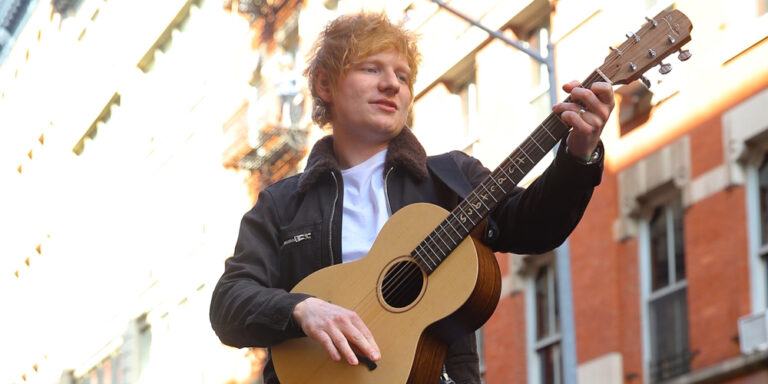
[{"x": 361, "y": 76}]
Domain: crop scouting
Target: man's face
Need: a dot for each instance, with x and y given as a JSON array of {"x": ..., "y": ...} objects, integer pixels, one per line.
[{"x": 372, "y": 99}]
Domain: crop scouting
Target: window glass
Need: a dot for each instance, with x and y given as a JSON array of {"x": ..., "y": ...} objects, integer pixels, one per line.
[
  {"x": 763, "y": 192},
  {"x": 658, "y": 248},
  {"x": 548, "y": 346}
]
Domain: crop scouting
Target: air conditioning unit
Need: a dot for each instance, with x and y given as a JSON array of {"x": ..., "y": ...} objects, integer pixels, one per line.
[{"x": 753, "y": 333}]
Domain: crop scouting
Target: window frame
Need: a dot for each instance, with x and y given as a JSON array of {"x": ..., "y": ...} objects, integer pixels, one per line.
[
  {"x": 649, "y": 296},
  {"x": 556, "y": 338},
  {"x": 758, "y": 252}
]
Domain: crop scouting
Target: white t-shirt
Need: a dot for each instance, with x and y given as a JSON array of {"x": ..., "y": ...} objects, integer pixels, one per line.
[{"x": 365, "y": 206}]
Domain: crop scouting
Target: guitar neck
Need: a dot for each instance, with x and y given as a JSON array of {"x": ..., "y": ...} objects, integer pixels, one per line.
[{"x": 494, "y": 189}]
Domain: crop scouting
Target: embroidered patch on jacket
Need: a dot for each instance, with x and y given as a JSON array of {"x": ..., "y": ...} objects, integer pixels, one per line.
[{"x": 298, "y": 238}]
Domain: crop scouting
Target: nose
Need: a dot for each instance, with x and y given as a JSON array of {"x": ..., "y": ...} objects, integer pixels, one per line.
[{"x": 389, "y": 83}]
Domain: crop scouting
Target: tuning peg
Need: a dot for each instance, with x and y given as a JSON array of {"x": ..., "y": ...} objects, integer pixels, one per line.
[
  {"x": 665, "y": 68},
  {"x": 653, "y": 22},
  {"x": 646, "y": 82},
  {"x": 632, "y": 35},
  {"x": 684, "y": 55}
]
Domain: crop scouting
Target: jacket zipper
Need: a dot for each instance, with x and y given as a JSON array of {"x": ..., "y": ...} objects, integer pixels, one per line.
[
  {"x": 333, "y": 213},
  {"x": 386, "y": 193}
]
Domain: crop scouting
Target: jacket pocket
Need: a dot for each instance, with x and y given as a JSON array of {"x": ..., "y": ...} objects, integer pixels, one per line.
[{"x": 299, "y": 252}]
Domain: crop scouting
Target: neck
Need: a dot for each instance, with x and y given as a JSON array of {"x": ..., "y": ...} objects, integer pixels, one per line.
[{"x": 350, "y": 152}]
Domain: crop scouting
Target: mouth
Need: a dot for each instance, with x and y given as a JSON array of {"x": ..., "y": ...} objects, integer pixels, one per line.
[{"x": 385, "y": 104}]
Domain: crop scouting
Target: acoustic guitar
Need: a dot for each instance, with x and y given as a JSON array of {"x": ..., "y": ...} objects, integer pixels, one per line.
[{"x": 427, "y": 279}]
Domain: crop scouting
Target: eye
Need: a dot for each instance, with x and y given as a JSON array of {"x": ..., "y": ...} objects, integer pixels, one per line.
[
  {"x": 370, "y": 69},
  {"x": 403, "y": 78}
]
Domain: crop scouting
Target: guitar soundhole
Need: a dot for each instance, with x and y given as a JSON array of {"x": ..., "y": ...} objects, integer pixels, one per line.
[{"x": 402, "y": 284}]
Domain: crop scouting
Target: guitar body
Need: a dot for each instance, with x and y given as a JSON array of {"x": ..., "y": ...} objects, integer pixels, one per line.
[{"x": 412, "y": 333}]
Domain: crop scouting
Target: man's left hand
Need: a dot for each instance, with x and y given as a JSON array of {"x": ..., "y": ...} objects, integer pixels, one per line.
[{"x": 586, "y": 112}]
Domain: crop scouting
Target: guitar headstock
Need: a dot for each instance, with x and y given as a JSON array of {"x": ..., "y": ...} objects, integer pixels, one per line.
[{"x": 662, "y": 35}]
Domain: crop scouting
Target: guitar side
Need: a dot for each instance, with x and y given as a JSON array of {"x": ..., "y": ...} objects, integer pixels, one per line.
[{"x": 456, "y": 299}]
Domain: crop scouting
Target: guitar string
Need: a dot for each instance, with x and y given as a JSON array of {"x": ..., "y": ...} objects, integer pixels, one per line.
[
  {"x": 404, "y": 273},
  {"x": 590, "y": 79}
]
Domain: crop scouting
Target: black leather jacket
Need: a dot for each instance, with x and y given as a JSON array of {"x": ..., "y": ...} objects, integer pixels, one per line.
[{"x": 295, "y": 229}]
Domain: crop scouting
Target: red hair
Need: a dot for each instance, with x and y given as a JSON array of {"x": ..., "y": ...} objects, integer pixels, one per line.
[{"x": 347, "y": 40}]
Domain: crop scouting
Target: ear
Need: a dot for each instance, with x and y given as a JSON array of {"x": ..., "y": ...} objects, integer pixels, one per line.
[{"x": 323, "y": 87}]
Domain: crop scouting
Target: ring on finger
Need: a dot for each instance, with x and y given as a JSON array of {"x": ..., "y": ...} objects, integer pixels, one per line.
[{"x": 582, "y": 111}]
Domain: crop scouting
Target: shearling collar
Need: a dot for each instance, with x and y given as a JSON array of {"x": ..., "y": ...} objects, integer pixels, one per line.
[{"x": 404, "y": 150}]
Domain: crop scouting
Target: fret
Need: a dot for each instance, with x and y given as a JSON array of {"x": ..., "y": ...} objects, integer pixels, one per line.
[
  {"x": 426, "y": 253},
  {"x": 537, "y": 144},
  {"x": 503, "y": 171},
  {"x": 500, "y": 187},
  {"x": 452, "y": 227},
  {"x": 432, "y": 250},
  {"x": 425, "y": 266},
  {"x": 420, "y": 258},
  {"x": 487, "y": 193},
  {"x": 441, "y": 239},
  {"x": 480, "y": 200},
  {"x": 445, "y": 231},
  {"x": 463, "y": 218},
  {"x": 491, "y": 191},
  {"x": 468, "y": 212},
  {"x": 462, "y": 225},
  {"x": 515, "y": 163},
  {"x": 526, "y": 155},
  {"x": 547, "y": 131},
  {"x": 477, "y": 204}
]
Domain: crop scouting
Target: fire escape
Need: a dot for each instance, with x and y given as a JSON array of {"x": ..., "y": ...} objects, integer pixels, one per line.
[{"x": 268, "y": 134}]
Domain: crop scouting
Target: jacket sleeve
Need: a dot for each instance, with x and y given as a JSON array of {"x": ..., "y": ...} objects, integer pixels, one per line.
[
  {"x": 247, "y": 309},
  {"x": 539, "y": 218},
  {"x": 462, "y": 362}
]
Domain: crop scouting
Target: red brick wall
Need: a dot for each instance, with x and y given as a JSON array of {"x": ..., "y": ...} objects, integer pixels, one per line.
[
  {"x": 505, "y": 347},
  {"x": 717, "y": 273},
  {"x": 631, "y": 342},
  {"x": 594, "y": 269},
  {"x": 760, "y": 377},
  {"x": 706, "y": 146}
]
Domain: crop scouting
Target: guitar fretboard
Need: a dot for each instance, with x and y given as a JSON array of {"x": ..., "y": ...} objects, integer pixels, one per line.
[{"x": 495, "y": 188}]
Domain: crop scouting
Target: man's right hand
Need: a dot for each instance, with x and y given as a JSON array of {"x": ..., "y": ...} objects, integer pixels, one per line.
[{"x": 336, "y": 328}]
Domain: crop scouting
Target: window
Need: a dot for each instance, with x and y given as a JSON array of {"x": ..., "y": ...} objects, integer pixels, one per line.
[
  {"x": 667, "y": 304},
  {"x": 461, "y": 82},
  {"x": 634, "y": 107},
  {"x": 762, "y": 178},
  {"x": 548, "y": 351},
  {"x": 467, "y": 94},
  {"x": 537, "y": 39},
  {"x": 123, "y": 365}
]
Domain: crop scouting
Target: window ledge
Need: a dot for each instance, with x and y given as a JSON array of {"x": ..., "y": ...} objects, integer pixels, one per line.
[
  {"x": 728, "y": 369},
  {"x": 740, "y": 39}
]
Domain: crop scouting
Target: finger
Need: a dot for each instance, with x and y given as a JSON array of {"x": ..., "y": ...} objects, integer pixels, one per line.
[
  {"x": 593, "y": 120},
  {"x": 373, "y": 351},
  {"x": 569, "y": 86},
  {"x": 604, "y": 92},
  {"x": 590, "y": 102},
  {"x": 577, "y": 123},
  {"x": 559, "y": 108},
  {"x": 356, "y": 339},
  {"x": 327, "y": 343},
  {"x": 340, "y": 341}
]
